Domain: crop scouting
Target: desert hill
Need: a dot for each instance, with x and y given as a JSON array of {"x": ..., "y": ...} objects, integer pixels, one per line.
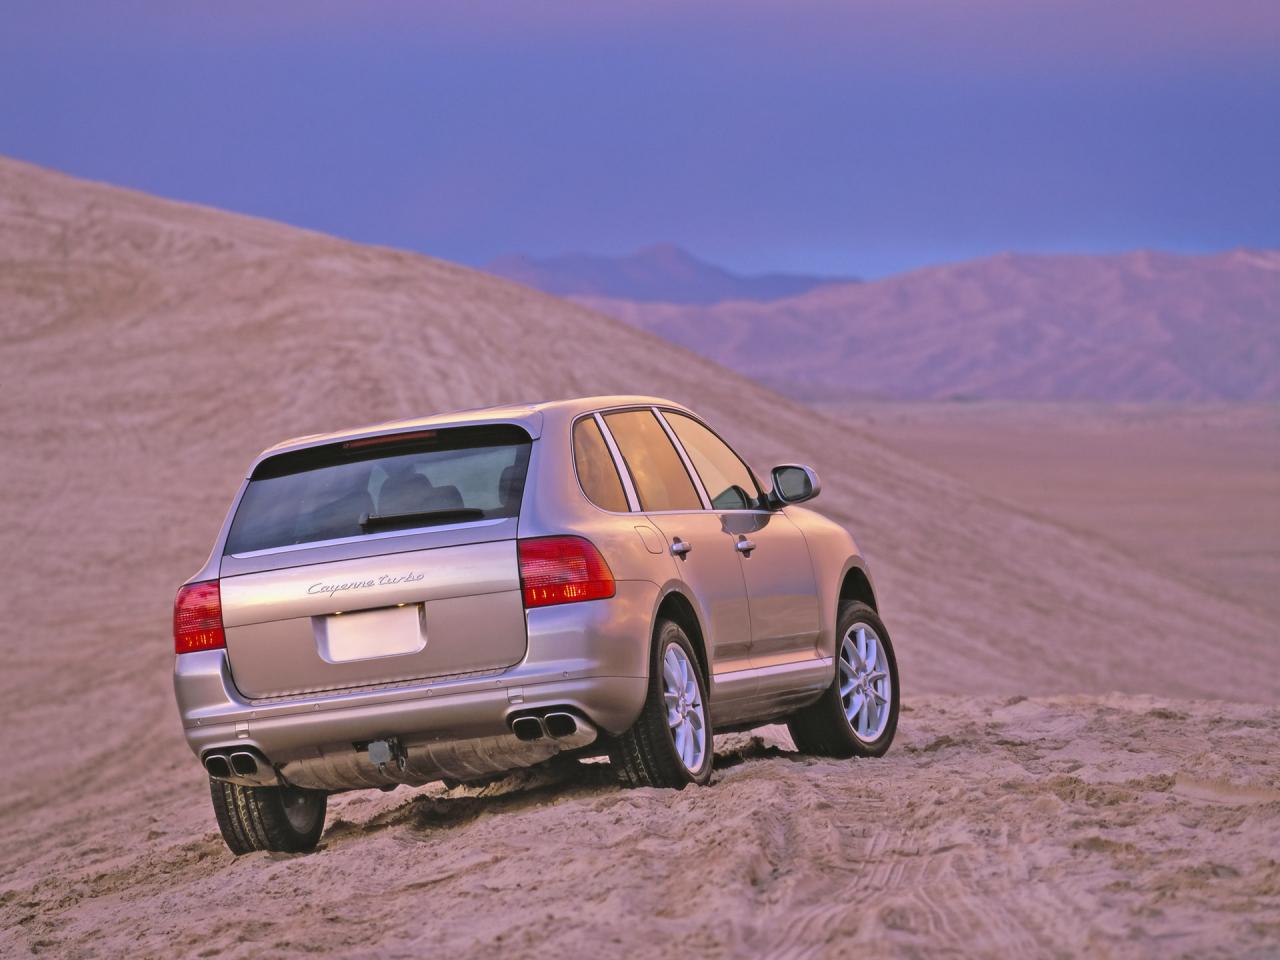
[
  {"x": 1139, "y": 326},
  {"x": 148, "y": 349},
  {"x": 152, "y": 348}
]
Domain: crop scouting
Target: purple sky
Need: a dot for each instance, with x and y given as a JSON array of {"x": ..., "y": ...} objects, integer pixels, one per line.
[{"x": 851, "y": 137}]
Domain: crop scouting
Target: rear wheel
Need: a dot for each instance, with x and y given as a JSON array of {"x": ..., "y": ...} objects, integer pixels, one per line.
[
  {"x": 670, "y": 745},
  {"x": 857, "y": 715},
  {"x": 284, "y": 819}
]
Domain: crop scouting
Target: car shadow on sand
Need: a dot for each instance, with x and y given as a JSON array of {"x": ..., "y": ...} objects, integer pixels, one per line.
[{"x": 559, "y": 779}]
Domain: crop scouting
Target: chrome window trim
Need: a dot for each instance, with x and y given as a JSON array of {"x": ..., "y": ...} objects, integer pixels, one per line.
[
  {"x": 411, "y": 531},
  {"x": 625, "y": 472},
  {"x": 664, "y": 513},
  {"x": 763, "y": 513},
  {"x": 623, "y": 479},
  {"x": 619, "y": 464},
  {"x": 684, "y": 458}
]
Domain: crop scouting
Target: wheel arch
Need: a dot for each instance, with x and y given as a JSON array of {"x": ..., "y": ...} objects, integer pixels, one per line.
[
  {"x": 856, "y": 586},
  {"x": 679, "y": 609}
]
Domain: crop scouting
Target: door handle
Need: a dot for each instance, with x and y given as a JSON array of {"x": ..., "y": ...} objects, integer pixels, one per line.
[
  {"x": 745, "y": 546},
  {"x": 680, "y": 547}
]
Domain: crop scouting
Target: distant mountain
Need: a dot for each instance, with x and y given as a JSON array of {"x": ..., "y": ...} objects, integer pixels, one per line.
[
  {"x": 1137, "y": 327},
  {"x": 659, "y": 273}
]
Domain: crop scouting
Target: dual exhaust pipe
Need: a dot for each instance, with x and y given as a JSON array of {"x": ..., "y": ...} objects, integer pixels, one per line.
[
  {"x": 243, "y": 766},
  {"x": 554, "y": 725}
]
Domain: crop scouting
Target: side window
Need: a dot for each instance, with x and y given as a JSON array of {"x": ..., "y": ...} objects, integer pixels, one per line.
[
  {"x": 596, "y": 472},
  {"x": 662, "y": 483},
  {"x": 729, "y": 483}
]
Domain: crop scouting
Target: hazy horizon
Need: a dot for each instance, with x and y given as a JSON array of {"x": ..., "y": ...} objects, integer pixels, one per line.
[
  {"x": 829, "y": 138},
  {"x": 633, "y": 253}
]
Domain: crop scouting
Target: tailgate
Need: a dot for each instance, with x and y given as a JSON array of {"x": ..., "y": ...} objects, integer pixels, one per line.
[{"x": 375, "y": 620}]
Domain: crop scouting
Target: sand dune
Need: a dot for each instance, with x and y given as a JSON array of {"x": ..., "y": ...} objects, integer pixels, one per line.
[
  {"x": 1194, "y": 489},
  {"x": 1131, "y": 327},
  {"x": 149, "y": 349},
  {"x": 1116, "y": 826}
]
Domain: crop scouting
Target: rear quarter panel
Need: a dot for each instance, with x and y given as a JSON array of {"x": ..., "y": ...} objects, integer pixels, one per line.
[{"x": 555, "y": 504}]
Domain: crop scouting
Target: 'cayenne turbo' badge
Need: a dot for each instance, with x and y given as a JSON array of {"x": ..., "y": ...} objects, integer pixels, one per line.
[{"x": 386, "y": 580}]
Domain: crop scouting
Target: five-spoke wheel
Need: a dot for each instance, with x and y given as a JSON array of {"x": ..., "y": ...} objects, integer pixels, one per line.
[
  {"x": 857, "y": 715},
  {"x": 670, "y": 744},
  {"x": 686, "y": 713},
  {"x": 865, "y": 690}
]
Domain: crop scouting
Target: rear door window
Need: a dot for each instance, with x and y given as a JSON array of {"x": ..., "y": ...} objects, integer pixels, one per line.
[
  {"x": 362, "y": 486},
  {"x": 728, "y": 481},
  {"x": 596, "y": 470},
  {"x": 660, "y": 479}
]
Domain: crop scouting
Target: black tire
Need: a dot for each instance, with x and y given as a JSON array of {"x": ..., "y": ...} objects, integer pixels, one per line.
[
  {"x": 822, "y": 728},
  {"x": 284, "y": 819},
  {"x": 646, "y": 755}
]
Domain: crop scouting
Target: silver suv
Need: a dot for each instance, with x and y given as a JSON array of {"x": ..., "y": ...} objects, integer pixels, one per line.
[{"x": 456, "y": 597}]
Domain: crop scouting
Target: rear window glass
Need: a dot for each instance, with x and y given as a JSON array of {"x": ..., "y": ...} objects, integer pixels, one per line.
[
  {"x": 596, "y": 472},
  {"x": 419, "y": 479},
  {"x": 660, "y": 479}
]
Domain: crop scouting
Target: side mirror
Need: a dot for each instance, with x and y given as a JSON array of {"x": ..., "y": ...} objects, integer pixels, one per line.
[{"x": 794, "y": 483}]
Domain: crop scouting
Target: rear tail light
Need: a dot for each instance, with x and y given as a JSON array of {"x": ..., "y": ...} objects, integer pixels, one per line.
[
  {"x": 197, "y": 618},
  {"x": 562, "y": 570}
]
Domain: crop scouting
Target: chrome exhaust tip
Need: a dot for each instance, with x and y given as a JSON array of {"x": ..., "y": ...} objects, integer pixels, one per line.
[
  {"x": 561, "y": 724},
  {"x": 527, "y": 728},
  {"x": 244, "y": 764},
  {"x": 217, "y": 766}
]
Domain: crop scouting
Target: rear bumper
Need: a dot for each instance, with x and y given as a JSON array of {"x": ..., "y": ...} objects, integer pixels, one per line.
[{"x": 591, "y": 657}]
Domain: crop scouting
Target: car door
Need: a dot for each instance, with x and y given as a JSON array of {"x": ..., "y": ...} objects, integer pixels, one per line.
[
  {"x": 782, "y": 591},
  {"x": 705, "y": 555}
]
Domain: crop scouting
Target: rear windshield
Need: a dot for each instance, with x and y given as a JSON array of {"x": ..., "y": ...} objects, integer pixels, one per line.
[{"x": 419, "y": 479}]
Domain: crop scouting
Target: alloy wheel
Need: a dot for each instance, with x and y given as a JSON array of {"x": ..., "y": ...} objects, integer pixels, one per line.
[
  {"x": 865, "y": 689},
  {"x": 686, "y": 713}
]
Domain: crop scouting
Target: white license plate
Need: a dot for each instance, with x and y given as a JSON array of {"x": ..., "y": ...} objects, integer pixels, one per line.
[{"x": 369, "y": 634}]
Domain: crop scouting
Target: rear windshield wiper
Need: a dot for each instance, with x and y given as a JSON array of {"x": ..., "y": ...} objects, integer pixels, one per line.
[{"x": 370, "y": 522}]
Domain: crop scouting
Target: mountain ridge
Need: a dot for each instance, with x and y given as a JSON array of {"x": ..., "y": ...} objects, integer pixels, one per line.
[
  {"x": 1144, "y": 326},
  {"x": 658, "y": 272}
]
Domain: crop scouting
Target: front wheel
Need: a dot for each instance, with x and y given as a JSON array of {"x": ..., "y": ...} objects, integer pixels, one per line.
[
  {"x": 669, "y": 745},
  {"x": 285, "y": 819},
  {"x": 857, "y": 715}
]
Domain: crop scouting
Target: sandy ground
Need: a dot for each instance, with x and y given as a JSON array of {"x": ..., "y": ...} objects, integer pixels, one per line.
[
  {"x": 149, "y": 349},
  {"x": 1110, "y": 826},
  {"x": 1196, "y": 489}
]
